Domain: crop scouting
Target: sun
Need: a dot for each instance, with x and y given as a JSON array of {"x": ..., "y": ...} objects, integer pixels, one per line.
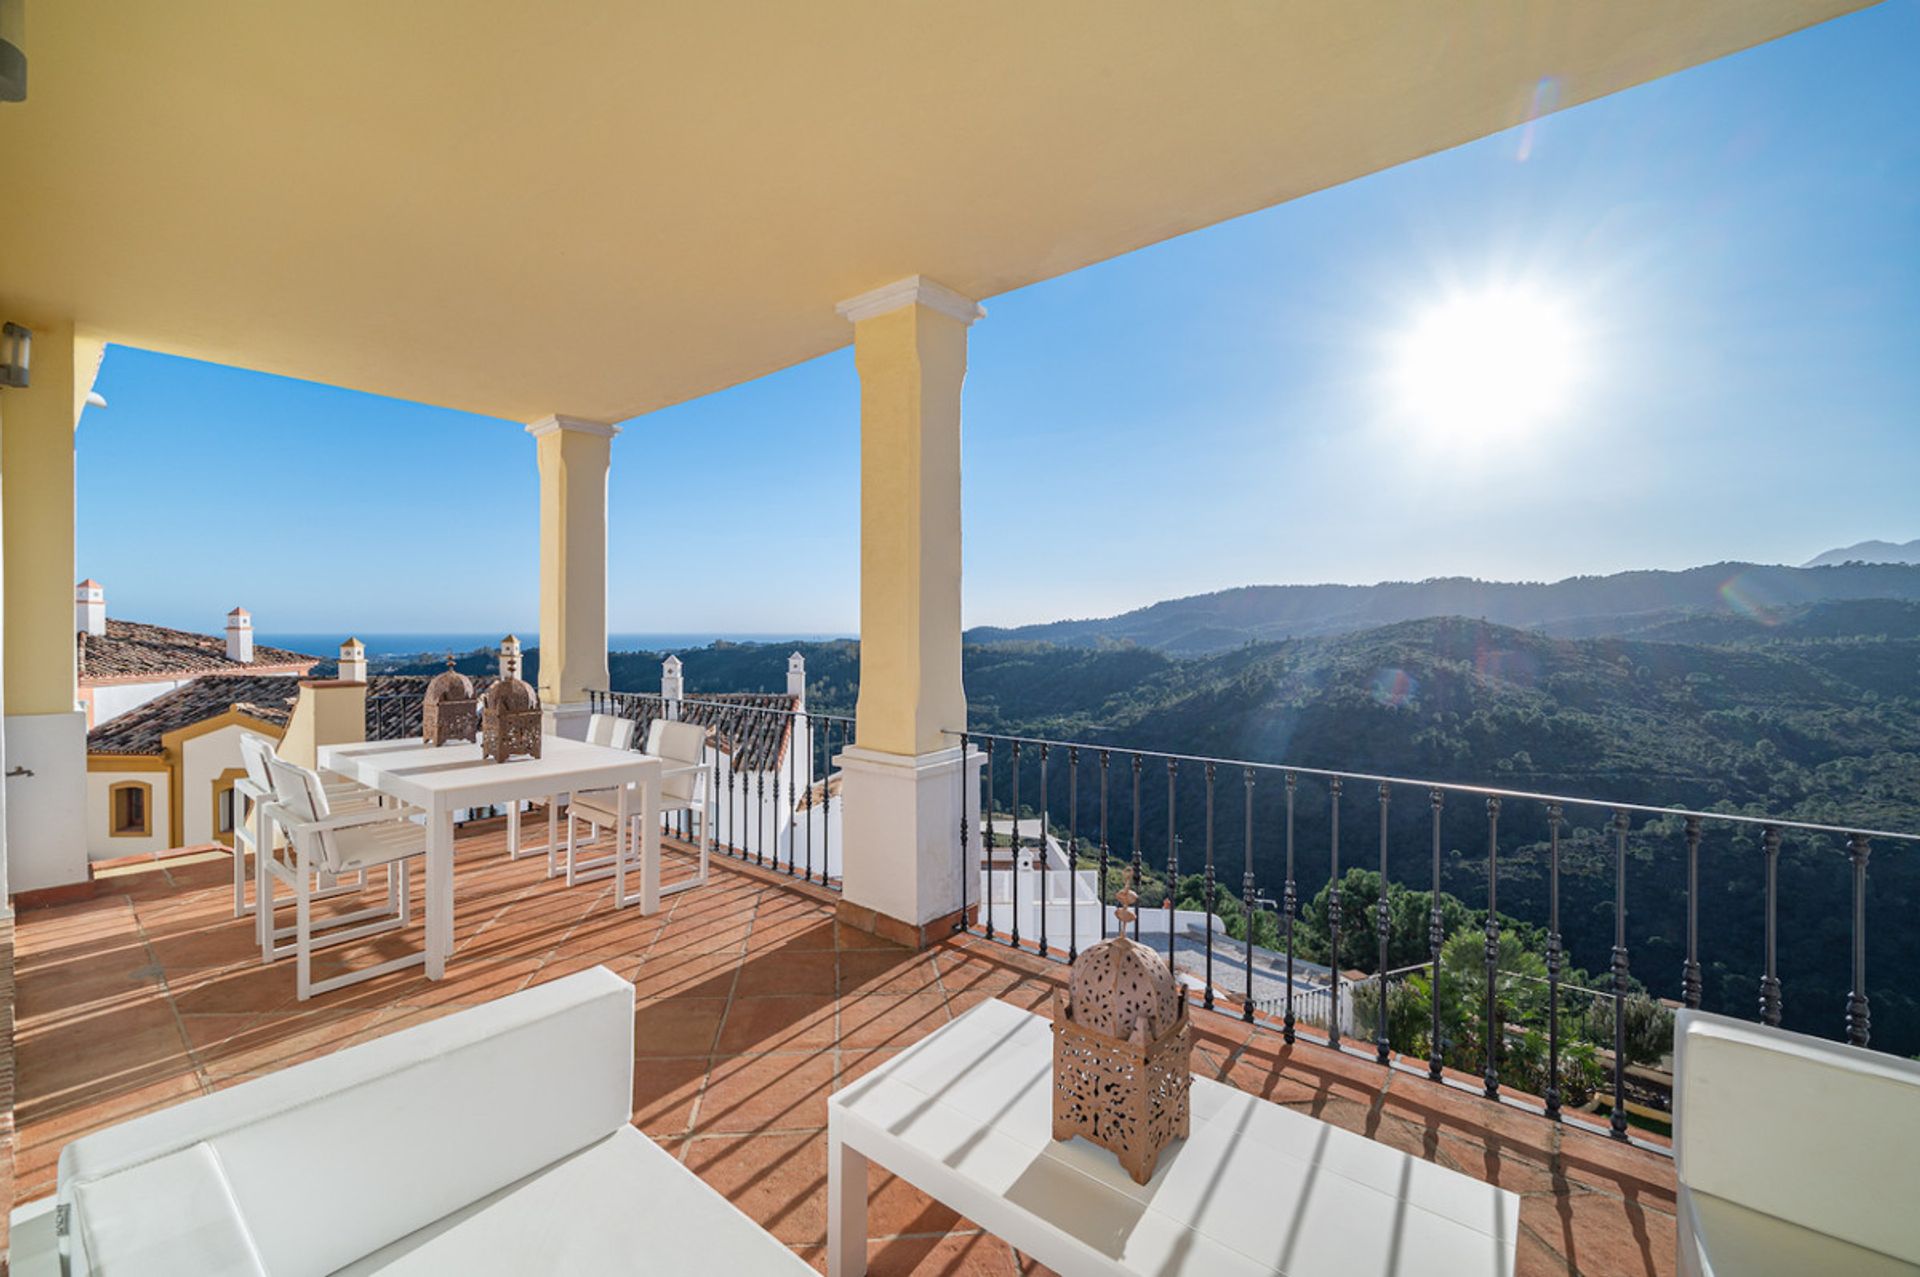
[{"x": 1487, "y": 366}]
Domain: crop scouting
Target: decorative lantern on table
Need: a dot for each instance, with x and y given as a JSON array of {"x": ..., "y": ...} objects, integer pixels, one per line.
[
  {"x": 510, "y": 720},
  {"x": 449, "y": 711},
  {"x": 1122, "y": 1051}
]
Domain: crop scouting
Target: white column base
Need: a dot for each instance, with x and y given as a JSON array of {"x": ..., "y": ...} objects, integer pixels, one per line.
[
  {"x": 568, "y": 720},
  {"x": 901, "y": 832},
  {"x": 46, "y": 812}
]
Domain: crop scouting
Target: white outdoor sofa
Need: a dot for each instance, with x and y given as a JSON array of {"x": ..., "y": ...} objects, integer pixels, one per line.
[
  {"x": 1794, "y": 1155},
  {"x": 495, "y": 1140}
]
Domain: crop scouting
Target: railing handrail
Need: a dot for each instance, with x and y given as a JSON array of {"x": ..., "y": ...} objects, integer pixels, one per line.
[
  {"x": 725, "y": 704},
  {"x": 1449, "y": 786}
]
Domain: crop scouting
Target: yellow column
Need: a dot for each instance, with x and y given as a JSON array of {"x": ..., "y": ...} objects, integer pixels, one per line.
[
  {"x": 910, "y": 346},
  {"x": 905, "y": 782},
  {"x": 36, "y": 468},
  {"x": 45, "y": 736},
  {"x": 573, "y": 456}
]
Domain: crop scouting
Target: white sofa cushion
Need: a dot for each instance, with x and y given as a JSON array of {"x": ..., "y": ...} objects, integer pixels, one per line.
[
  {"x": 331, "y": 1160},
  {"x": 623, "y": 1205},
  {"x": 171, "y": 1217},
  {"x": 1728, "y": 1240},
  {"x": 1810, "y": 1132}
]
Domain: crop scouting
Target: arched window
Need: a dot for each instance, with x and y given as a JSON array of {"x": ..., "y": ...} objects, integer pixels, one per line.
[{"x": 130, "y": 809}]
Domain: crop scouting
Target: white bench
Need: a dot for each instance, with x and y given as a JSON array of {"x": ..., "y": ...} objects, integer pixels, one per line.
[
  {"x": 966, "y": 1116},
  {"x": 495, "y": 1140},
  {"x": 1793, "y": 1155}
]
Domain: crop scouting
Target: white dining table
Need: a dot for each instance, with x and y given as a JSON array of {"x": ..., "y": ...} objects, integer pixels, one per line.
[{"x": 443, "y": 779}]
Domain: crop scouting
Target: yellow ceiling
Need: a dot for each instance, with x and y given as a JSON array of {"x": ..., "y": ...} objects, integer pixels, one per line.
[{"x": 602, "y": 208}]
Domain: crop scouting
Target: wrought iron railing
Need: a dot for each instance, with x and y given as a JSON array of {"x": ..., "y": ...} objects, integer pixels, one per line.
[
  {"x": 1052, "y": 809},
  {"x": 775, "y": 796},
  {"x": 394, "y": 713}
]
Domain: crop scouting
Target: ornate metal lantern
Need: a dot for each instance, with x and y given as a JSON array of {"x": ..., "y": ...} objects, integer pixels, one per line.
[
  {"x": 449, "y": 711},
  {"x": 1122, "y": 1052},
  {"x": 510, "y": 720}
]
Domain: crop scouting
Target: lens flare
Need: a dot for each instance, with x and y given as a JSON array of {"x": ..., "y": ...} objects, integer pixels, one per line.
[
  {"x": 1394, "y": 687},
  {"x": 1744, "y": 596}
]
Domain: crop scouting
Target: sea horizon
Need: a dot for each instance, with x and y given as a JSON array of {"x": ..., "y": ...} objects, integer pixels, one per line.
[{"x": 415, "y": 642}]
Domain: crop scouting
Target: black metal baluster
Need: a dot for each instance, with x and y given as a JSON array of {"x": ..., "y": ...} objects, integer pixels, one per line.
[
  {"x": 960, "y": 923},
  {"x": 1136, "y": 843},
  {"x": 733, "y": 822},
  {"x": 986, "y": 821},
  {"x": 1770, "y": 1001},
  {"x": 1046, "y": 898},
  {"x": 1383, "y": 924},
  {"x": 1690, "y": 972},
  {"x": 1173, "y": 857},
  {"x": 1553, "y": 962},
  {"x": 1436, "y": 940},
  {"x": 825, "y": 767},
  {"x": 813, "y": 769},
  {"x": 1013, "y": 930},
  {"x": 1618, "y": 1122},
  {"x": 1859, "y": 1020},
  {"x": 1073, "y": 852},
  {"x": 760, "y": 820},
  {"x": 1333, "y": 914},
  {"x": 1103, "y": 845},
  {"x": 791, "y": 807},
  {"x": 1247, "y": 896},
  {"x": 1288, "y": 901},
  {"x": 1206, "y": 999},
  {"x": 1492, "y": 1075}
]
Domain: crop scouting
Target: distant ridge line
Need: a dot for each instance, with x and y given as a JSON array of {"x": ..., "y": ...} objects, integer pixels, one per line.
[{"x": 1616, "y": 604}]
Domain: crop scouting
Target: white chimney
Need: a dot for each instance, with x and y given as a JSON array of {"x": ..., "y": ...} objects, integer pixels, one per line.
[
  {"x": 90, "y": 607},
  {"x": 510, "y": 657},
  {"x": 797, "y": 677},
  {"x": 240, "y": 636},
  {"x": 353, "y": 661},
  {"x": 670, "y": 681}
]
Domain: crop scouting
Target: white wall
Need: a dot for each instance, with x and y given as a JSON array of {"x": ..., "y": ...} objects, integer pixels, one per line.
[
  {"x": 47, "y": 802},
  {"x": 202, "y": 759},
  {"x": 101, "y": 844},
  {"x": 114, "y": 699}
]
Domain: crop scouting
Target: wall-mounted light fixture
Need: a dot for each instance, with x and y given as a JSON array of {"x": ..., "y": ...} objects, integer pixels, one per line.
[
  {"x": 13, "y": 58},
  {"x": 16, "y": 355}
]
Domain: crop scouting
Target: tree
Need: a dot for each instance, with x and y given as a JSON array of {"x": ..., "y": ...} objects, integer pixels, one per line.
[
  {"x": 1519, "y": 997},
  {"x": 1649, "y": 1035},
  {"x": 1408, "y": 919}
]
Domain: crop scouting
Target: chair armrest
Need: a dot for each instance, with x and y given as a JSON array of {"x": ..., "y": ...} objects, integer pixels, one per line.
[
  {"x": 338, "y": 820},
  {"x": 682, "y": 769}
]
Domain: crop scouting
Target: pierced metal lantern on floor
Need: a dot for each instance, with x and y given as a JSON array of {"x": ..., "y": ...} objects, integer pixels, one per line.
[
  {"x": 1122, "y": 1052},
  {"x": 449, "y": 711},
  {"x": 510, "y": 720}
]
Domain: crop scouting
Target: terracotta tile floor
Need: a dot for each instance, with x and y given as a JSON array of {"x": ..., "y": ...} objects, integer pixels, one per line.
[{"x": 754, "y": 1006}]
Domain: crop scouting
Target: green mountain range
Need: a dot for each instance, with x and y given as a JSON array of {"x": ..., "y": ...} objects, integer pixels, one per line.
[{"x": 1624, "y": 603}]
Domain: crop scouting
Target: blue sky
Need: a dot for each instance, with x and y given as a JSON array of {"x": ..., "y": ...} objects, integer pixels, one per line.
[{"x": 1735, "y": 252}]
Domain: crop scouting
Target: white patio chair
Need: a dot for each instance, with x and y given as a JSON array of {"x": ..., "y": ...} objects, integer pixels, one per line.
[
  {"x": 683, "y": 787},
  {"x": 253, "y": 830},
  {"x": 339, "y": 842},
  {"x": 602, "y": 729}
]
